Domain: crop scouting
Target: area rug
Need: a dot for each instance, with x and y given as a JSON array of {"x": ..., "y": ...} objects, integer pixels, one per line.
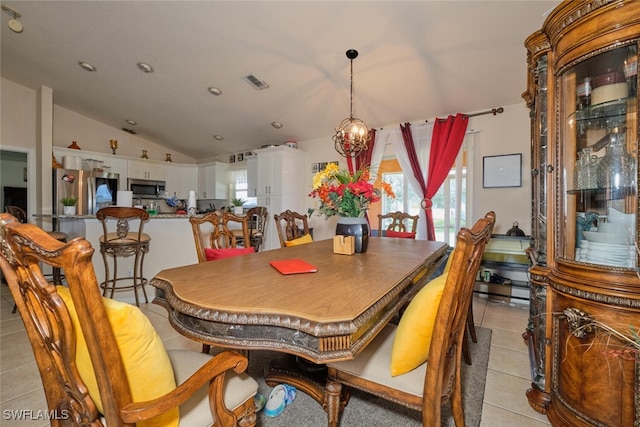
[{"x": 366, "y": 410}]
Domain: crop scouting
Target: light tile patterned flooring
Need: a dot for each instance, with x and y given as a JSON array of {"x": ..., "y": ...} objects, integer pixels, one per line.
[{"x": 508, "y": 377}]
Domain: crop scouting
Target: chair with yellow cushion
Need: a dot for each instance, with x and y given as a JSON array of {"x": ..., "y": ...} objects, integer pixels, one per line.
[
  {"x": 293, "y": 229},
  {"x": 101, "y": 360},
  {"x": 402, "y": 225},
  {"x": 417, "y": 363}
]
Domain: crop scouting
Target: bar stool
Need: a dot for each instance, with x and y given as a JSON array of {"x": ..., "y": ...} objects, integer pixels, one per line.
[{"x": 118, "y": 241}]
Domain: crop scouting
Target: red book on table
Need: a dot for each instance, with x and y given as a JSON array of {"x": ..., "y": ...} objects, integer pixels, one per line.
[{"x": 293, "y": 266}]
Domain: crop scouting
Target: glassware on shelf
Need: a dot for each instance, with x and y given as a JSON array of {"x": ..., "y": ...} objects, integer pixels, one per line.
[
  {"x": 616, "y": 170},
  {"x": 586, "y": 172},
  {"x": 583, "y": 94}
]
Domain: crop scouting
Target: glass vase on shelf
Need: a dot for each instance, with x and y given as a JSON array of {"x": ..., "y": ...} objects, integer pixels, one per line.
[
  {"x": 616, "y": 171},
  {"x": 586, "y": 172}
]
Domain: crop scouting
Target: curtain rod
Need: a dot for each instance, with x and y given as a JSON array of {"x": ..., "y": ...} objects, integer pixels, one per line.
[{"x": 494, "y": 111}]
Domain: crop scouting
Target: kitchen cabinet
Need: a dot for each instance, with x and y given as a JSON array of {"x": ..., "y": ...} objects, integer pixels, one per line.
[
  {"x": 280, "y": 184},
  {"x": 180, "y": 179},
  {"x": 146, "y": 169},
  {"x": 582, "y": 90},
  {"x": 252, "y": 176},
  {"x": 212, "y": 181}
]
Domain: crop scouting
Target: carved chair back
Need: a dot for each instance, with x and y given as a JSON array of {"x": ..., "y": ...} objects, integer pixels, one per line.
[
  {"x": 291, "y": 225},
  {"x": 400, "y": 221},
  {"x": 16, "y": 211},
  {"x": 257, "y": 225},
  {"x": 213, "y": 230}
]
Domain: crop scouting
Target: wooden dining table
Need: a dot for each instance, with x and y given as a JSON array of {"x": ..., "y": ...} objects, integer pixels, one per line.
[{"x": 329, "y": 315}]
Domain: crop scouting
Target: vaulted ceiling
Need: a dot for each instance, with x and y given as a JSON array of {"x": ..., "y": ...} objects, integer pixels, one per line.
[{"x": 418, "y": 60}]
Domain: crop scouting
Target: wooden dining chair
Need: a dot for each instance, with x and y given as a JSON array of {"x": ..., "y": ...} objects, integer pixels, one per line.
[
  {"x": 214, "y": 234},
  {"x": 258, "y": 216},
  {"x": 96, "y": 355},
  {"x": 215, "y": 240},
  {"x": 426, "y": 370},
  {"x": 402, "y": 225},
  {"x": 291, "y": 226}
]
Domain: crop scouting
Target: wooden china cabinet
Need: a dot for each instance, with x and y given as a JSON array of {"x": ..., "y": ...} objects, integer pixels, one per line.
[{"x": 582, "y": 91}]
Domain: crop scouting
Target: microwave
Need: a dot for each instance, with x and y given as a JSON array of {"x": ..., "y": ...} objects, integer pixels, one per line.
[{"x": 145, "y": 188}]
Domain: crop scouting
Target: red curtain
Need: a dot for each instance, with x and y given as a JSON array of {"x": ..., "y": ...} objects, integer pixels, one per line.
[
  {"x": 446, "y": 140},
  {"x": 361, "y": 160},
  {"x": 364, "y": 157}
]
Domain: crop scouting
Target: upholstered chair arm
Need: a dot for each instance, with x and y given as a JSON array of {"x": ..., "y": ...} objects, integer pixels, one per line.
[{"x": 213, "y": 371}]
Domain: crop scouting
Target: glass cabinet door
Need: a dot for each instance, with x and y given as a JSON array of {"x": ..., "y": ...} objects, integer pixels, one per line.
[{"x": 598, "y": 122}]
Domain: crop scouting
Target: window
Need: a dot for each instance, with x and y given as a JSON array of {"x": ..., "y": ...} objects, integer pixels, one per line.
[
  {"x": 449, "y": 204},
  {"x": 239, "y": 187}
]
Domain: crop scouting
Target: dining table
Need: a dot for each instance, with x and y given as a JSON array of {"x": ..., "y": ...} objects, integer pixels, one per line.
[{"x": 328, "y": 315}]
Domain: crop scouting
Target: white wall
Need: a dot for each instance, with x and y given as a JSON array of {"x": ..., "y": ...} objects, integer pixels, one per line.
[
  {"x": 18, "y": 118},
  {"x": 92, "y": 135}
]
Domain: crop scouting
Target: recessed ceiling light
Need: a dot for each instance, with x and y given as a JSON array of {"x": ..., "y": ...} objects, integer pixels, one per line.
[
  {"x": 14, "y": 24},
  {"x": 146, "y": 68},
  {"x": 87, "y": 67},
  {"x": 131, "y": 122},
  {"x": 276, "y": 125},
  {"x": 218, "y": 137},
  {"x": 214, "y": 91}
]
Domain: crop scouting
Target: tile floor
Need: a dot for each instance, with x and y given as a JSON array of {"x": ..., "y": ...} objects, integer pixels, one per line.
[{"x": 505, "y": 403}]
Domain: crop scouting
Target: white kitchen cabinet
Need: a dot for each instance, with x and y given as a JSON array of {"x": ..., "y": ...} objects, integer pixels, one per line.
[
  {"x": 252, "y": 176},
  {"x": 188, "y": 181},
  {"x": 148, "y": 169},
  {"x": 280, "y": 185},
  {"x": 212, "y": 181},
  {"x": 180, "y": 179}
]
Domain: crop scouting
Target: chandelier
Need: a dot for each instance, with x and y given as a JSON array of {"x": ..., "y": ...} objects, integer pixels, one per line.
[{"x": 352, "y": 135}]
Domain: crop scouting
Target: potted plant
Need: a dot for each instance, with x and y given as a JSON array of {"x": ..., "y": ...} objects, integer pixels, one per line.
[
  {"x": 237, "y": 205},
  {"x": 69, "y": 205}
]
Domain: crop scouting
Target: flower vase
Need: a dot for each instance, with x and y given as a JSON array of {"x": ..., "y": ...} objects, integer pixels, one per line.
[
  {"x": 69, "y": 210},
  {"x": 358, "y": 227}
]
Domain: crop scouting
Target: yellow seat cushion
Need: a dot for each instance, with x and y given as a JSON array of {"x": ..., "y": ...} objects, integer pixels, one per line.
[
  {"x": 299, "y": 241},
  {"x": 146, "y": 361},
  {"x": 413, "y": 335}
]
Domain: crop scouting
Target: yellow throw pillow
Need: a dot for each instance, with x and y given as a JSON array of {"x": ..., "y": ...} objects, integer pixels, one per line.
[
  {"x": 146, "y": 361},
  {"x": 299, "y": 241},
  {"x": 413, "y": 334}
]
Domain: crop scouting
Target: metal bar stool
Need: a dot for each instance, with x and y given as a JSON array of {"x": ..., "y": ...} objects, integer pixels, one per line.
[{"x": 118, "y": 241}]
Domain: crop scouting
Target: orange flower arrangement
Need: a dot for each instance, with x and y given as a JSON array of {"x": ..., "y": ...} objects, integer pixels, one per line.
[{"x": 345, "y": 194}]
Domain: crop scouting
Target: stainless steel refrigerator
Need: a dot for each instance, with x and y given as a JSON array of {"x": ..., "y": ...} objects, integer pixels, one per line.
[{"x": 93, "y": 189}]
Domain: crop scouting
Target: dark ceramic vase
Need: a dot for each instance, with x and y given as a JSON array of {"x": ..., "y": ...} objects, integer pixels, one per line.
[{"x": 356, "y": 227}]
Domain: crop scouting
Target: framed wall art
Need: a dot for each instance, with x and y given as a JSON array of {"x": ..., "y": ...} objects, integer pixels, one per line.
[{"x": 502, "y": 171}]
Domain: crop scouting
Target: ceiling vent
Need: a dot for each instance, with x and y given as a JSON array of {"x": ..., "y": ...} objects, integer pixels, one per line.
[
  {"x": 131, "y": 131},
  {"x": 255, "y": 82}
]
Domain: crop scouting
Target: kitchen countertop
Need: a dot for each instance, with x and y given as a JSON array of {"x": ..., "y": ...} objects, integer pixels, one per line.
[{"x": 71, "y": 217}]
